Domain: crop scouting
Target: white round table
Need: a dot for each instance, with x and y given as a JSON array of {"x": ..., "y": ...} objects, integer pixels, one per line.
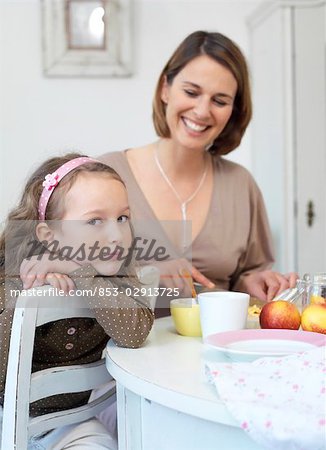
[{"x": 164, "y": 400}]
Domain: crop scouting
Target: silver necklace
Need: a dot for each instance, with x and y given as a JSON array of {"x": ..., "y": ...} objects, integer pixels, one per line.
[{"x": 183, "y": 203}]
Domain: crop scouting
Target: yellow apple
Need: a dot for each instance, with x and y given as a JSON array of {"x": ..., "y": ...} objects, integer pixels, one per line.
[
  {"x": 314, "y": 318},
  {"x": 280, "y": 314},
  {"x": 317, "y": 300}
]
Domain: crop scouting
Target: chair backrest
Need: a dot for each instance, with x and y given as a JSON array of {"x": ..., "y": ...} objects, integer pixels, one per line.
[{"x": 23, "y": 387}]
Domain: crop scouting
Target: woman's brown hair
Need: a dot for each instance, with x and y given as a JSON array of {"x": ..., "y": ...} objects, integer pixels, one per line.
[{"x": 224, "y": 51}]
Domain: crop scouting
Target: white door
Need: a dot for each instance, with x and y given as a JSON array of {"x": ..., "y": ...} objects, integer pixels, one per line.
[
  {"x": 310, "y": 87},
  {"x": 288, "y": 60}
]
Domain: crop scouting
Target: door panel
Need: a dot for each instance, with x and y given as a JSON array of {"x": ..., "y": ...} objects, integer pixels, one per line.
[{"x": 310, "y": 83}]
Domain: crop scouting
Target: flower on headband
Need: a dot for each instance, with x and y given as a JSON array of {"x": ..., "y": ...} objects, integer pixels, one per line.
[{"x": 51, "y": 180}]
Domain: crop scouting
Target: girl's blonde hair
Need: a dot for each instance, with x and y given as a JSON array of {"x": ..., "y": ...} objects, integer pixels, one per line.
[{"x": 19, "y": 231}]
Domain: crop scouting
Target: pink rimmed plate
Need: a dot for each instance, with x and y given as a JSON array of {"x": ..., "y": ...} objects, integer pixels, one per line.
[{"x": 247, "y": 345}]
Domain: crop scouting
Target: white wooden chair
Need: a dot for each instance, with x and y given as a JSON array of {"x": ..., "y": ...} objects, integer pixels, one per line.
[{"x": 23, "y": 387}]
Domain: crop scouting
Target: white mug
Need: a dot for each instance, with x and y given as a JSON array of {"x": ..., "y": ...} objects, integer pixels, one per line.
[{"x": 222, "y": 311}]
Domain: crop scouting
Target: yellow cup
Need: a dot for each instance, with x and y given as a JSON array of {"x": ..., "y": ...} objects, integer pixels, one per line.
[{"x": 186, "y": 317}]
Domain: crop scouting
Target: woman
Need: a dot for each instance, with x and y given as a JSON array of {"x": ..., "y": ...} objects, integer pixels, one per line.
[{"x": 201, "y": 109}]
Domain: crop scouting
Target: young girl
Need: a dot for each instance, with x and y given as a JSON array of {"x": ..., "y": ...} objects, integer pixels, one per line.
[{"x": 74, "y": 219}]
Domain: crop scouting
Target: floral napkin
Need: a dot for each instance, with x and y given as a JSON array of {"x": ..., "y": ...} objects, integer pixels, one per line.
[{"x": 280, "y": 402}]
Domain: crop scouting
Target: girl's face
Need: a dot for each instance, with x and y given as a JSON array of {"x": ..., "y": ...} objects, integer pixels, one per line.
[
  {"x": 96, "y": 218},
  {"x": 199, "y": 102}
]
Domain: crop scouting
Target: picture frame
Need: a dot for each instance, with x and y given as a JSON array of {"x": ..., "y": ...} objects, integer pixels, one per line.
[{"x": 87, "y": 38}]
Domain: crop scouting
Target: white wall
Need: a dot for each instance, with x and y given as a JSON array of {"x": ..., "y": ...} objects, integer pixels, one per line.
[{"x": 41, "y": 117}]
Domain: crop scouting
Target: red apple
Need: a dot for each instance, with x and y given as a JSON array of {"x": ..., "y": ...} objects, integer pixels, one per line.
[
  {"x": 314, "y": 318},
  {"x": 280, "y": 314}
]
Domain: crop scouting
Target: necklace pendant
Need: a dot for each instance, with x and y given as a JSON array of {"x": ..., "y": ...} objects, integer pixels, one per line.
[
  {"x": 183, "y": 204},
  {"x": 184, "y": 211}
]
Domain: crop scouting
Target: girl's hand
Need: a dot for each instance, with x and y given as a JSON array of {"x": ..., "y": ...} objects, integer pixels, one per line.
[
  {"x": 34, "y": 270},
  {"x": 267, "y": 284},
  {"x": 59, "y": 281}
]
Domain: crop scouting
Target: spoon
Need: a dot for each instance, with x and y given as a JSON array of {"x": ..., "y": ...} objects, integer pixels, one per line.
[{"x": 187, "y": 275}]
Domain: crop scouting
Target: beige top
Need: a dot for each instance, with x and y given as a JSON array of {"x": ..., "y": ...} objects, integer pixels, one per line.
[
  {"x": 126, "y": 319},
  {"x": 235, "y": 239}
]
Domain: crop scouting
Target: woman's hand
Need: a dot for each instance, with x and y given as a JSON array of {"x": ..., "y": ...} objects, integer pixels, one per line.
[
  {"x": 267, "y": 284},
  {"x": 200, "y": 278},
  {"x": 35, "y": 271},
  {"x": 173, "y": 274}
]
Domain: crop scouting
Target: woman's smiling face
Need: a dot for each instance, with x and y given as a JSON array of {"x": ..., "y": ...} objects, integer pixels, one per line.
[
  {"x": 199, "y": 102},
  {"x": 96, "y": 215}
]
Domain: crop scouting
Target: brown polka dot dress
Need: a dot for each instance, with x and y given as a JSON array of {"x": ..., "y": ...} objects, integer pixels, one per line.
[{"x": 125, "y": 318}]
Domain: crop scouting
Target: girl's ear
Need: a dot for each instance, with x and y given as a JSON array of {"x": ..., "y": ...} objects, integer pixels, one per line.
[
  {"x": 165, "y": 91},
  {"x": 44, "y": 232}
]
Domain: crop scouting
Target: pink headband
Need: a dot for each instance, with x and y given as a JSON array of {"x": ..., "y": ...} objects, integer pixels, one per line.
[{"x": 53, "y": 179}]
